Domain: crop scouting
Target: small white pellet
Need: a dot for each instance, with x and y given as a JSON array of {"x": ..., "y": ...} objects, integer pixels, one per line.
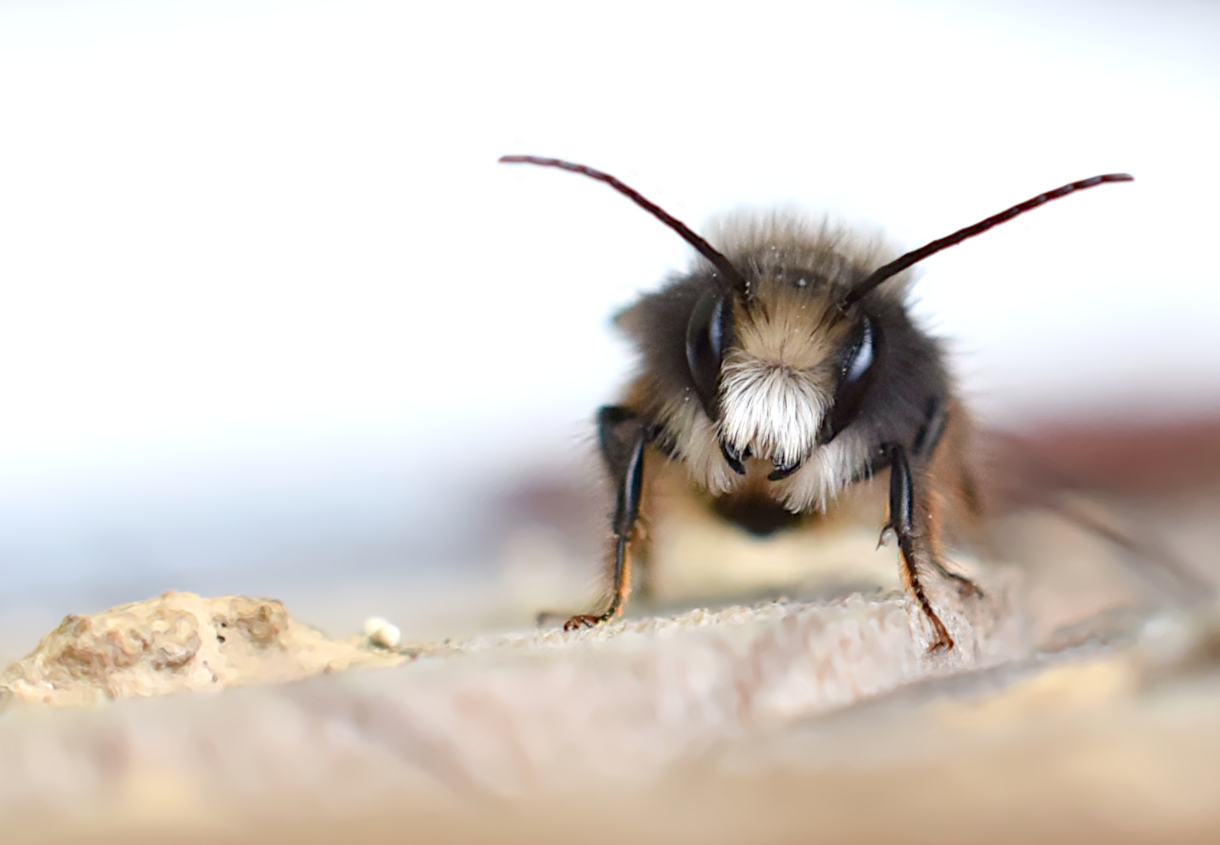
[{"x": 382, "y": 633}]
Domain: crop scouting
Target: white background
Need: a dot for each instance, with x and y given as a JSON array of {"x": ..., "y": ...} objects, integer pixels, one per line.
[{"x": 266, "y": 300}]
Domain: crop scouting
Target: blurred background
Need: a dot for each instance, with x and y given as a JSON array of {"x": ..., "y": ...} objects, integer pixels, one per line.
[{"x": 273, "y": 321}]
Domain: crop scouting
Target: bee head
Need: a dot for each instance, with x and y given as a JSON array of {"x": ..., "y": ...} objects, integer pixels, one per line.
[
  {"x": 778, "y": 364},
  {"x": 785, "y": 335}
]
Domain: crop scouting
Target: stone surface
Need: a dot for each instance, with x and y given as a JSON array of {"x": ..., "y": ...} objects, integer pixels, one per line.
[{"x": 1067, "y": 721}]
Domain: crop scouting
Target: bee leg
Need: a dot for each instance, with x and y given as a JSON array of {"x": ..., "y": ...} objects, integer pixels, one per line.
[
  {"x": 965, "y": 587},
  {"x": 936, "y": 421},
  {"x": 914, "y": 543},
  {"x": 623, "y": 435},
  {"x": 934, "y": 505}
]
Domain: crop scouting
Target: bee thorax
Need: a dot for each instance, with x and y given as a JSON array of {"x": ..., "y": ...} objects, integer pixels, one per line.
[{"x": 771, "y": 410}]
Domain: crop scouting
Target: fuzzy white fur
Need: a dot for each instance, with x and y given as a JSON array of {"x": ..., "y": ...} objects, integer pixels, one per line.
[
  {"x": 824, "y": 475},
  {"x": 773, "y": 410}
]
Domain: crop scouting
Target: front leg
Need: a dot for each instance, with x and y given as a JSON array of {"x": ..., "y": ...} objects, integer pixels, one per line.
[
  {"x": 911, "y": 525},
  {"x": 622, "y": 435}
]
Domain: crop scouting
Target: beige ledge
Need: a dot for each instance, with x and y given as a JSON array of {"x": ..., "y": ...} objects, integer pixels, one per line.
[{"x": 770, "y": 722}]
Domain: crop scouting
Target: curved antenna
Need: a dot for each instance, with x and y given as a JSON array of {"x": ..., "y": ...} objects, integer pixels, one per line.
[
  {"x": 722, "y": 264},
  {"x": 915, "y": 256}
]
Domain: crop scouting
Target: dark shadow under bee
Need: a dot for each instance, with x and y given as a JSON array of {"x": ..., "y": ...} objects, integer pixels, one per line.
[{"x": 782, "y": 371}]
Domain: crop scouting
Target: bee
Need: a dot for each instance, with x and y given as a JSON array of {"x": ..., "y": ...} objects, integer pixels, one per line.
[{"x": 781, "y": 371}]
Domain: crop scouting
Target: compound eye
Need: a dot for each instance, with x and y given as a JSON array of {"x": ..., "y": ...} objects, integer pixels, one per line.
[
  {"x": 708, "y": 334},
  {"x": 857, "y": 368},
  {"x": 861, "y": 359}
]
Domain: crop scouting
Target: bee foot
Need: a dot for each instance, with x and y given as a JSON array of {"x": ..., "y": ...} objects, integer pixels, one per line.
[
  {"x": 584, "y": 620},
  {"x": 965, "y": 587},
  {"x": 943, "y": 641}
]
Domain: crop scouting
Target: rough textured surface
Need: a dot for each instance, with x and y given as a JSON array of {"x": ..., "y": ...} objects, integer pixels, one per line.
[
  {"x": 174, "y": 643},
  {"x": 497, "y": 715},
  {"x": 516, "y": 713},
  {"x": 1098, "y": 744},
  {"x": 1070, "y": 711}
]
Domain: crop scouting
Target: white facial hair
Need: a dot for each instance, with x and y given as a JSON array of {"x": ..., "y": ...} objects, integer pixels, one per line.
[{"x": 773, "y": 410}]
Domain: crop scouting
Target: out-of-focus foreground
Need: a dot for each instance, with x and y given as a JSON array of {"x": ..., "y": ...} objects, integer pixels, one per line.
[{"x": 1081, "y": 702}]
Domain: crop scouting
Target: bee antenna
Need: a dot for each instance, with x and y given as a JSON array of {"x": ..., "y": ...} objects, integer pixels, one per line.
[
  {"x": 717, "y": 259},
  {"x": 915, "y": 256}
]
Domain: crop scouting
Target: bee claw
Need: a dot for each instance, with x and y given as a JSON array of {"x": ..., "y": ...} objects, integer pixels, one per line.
[
  {"x": 584, "y": 620},
  {"x": 943, "y": 643},
  {"x": 580, "y": 621}
]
